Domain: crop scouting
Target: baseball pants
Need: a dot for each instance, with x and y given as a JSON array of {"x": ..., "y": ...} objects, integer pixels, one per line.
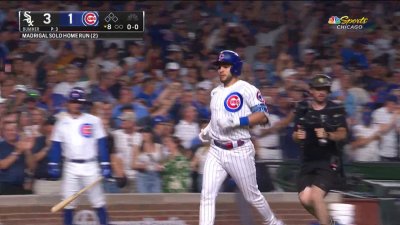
[{"x": 240, "y": 164}]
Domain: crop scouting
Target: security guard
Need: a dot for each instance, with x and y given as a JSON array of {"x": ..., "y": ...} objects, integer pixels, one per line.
[{"x": 320, "y": 128}]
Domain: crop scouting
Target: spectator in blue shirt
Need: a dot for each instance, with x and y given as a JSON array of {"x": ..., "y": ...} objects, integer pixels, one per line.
[
  {"x": 15, "y": 158},
  {"x": 101, "y": 92},
  {"x": 202, "y": 104},
  {"x": 148, "y": 93},
  {"x": 126, "y": 100}
]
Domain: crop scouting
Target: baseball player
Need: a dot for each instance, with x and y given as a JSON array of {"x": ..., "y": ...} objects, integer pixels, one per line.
[
  {"x": 235, "y": 105},
  {"x": 80, "y": 138}
]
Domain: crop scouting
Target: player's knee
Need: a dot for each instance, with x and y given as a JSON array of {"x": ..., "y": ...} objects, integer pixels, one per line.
[{"x": 306, "y": 199}]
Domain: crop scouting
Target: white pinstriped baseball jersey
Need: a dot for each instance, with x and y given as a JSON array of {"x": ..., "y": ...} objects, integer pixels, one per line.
[
  {"x": 236, "y": 100},
  {"x": 79, "y": 136}
]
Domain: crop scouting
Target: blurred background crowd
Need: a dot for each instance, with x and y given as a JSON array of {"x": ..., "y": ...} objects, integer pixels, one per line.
[{"x": 153, "y": 95}]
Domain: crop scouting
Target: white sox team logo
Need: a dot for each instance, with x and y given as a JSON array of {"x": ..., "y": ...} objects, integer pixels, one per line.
[
  {"x": 90, "y": 18},
  {"x": 233, "y": 102},
  {"x": 86, "y": 130}
]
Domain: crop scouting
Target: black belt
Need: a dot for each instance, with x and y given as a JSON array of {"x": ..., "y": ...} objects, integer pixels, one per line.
[
  {"x": 229, "y": 145},
  {"x": 81, "y": 160}
]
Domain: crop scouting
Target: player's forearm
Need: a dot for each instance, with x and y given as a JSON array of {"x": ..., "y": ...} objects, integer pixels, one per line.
[
  {"x": 362, "y": 141},
  {"x": 339, "y": 135},
  {"x": 116, "y": 165},
  {"x": 257, "y": 118}
]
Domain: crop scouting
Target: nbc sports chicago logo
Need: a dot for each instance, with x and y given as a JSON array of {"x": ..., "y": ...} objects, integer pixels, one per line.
[{"x": 347, "y": 23}]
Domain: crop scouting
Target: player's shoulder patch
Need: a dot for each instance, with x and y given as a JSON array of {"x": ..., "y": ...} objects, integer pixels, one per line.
[
  {"x": 86, "y": 130},
  {"x": 233, "y": 102},
  {"x": 260, "y": 97}
]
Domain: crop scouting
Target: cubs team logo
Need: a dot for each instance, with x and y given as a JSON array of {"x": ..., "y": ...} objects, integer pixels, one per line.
[
  {"x": 86, "y": 130},
  {"x": 260, "y": 97},
  {"x": 233, "y": 102},
  {"x": 90, "y": 18}
]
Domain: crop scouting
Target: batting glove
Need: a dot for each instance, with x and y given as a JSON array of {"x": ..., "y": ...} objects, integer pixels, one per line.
[
  {"x": 54, "y": 170},
  {"x": 204, "y": 135},
  {"x": 105, "y": 169}
]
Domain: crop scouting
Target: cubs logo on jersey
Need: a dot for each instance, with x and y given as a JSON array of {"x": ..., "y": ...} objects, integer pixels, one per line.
[
  {"x": 233, "y": 102},
  {"x": 86, "y": 130}
]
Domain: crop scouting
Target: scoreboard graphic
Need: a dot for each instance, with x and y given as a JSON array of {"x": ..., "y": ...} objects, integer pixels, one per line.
[{"x": 81, "y": 25}]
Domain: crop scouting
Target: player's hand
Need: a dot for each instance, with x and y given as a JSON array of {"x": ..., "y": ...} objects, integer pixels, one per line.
[
  {"x": 321, "y": 133},
  {"x": 300, "y": 134},
  {"x": 105, "y": 169},
  {"x": 54, "y": 170},
  {"x": 204, "y": 135},
  {"x": 229, "y": 122}
]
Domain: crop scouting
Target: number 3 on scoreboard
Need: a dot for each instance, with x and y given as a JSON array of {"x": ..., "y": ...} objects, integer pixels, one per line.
[{"x": 47, "y": 18}]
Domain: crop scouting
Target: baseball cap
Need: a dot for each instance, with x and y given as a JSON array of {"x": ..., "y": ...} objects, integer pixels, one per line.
[
  {"x": 320, "y": 80},
  {"x": 159, "y": 119},
  {"x": 127, "y": 116},
  {"x": 33, "y": 95},
  {"x": 172, "y": 66},
  {"x": 20, "y": 87},
  {"x": 288, "y": 73}
]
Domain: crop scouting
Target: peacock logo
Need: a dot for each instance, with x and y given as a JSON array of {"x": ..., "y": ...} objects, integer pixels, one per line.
[{"x": 334, "y": 20}]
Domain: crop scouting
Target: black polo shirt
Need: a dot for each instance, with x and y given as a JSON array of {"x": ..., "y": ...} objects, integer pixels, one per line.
[{"x": 331, "y": 117}]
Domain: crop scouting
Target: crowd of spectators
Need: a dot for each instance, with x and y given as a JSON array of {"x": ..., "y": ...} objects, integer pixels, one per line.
[{"x": 153, "y": 95}]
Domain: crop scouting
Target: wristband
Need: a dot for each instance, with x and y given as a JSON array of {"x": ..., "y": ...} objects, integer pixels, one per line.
[{"x": 244, "y": 121}]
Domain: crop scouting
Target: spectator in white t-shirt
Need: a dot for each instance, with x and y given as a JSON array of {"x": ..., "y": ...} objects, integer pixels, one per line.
[
  {"x": 187, "y": 129},
  {"x": 365, "y": 147},
  {"x": 72, "y": 75},
  {"x": 124, "y": 140},
  {"x": 386, "y": 118}
]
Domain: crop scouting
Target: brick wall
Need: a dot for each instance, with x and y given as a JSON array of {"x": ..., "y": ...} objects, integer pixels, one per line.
[{"x": 35, "y": 210}]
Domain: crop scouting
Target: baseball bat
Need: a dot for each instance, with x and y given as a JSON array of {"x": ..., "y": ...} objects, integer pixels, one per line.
[{"x": 71, "y": 198}]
